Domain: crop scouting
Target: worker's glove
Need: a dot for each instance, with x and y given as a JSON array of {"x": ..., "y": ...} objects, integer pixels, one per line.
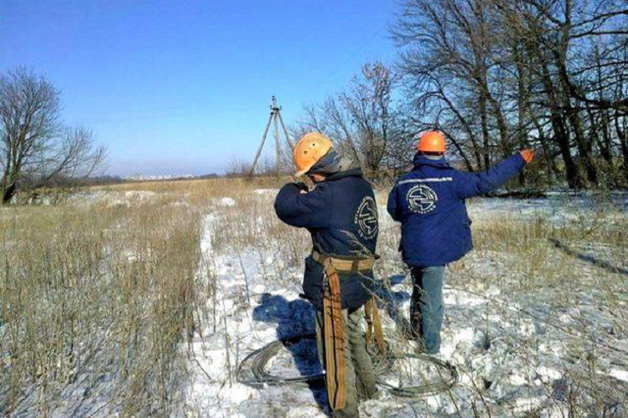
[
  {"x": 302, "y": 187},
  {"x": 527, "y": 155}
]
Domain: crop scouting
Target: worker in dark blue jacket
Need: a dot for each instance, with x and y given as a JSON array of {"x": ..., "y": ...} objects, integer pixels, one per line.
[
  {"x": 341, "y": 215},
  {"x": 429, "y": 202}
]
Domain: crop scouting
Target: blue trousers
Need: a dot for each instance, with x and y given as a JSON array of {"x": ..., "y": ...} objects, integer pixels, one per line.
[{"x": 426, "y": 309}]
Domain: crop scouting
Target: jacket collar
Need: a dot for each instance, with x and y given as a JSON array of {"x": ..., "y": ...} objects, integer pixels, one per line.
[
  {"x": 420, "y": 160},
  {"x": 347, "y": 173}
]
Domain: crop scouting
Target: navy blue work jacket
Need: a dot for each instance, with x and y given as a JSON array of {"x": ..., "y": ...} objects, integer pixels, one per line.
[
  {"x": 341, "y": 215},
  {"x": 429, "y": 202}
]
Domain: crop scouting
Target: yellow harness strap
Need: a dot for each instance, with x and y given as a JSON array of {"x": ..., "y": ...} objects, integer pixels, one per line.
[
  {"x": 371, "y": 313},
  {"x": 334, "y": 327},
  {"x": 334, "y": 332}
]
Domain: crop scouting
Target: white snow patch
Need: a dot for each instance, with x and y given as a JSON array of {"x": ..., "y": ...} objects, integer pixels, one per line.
[
  {"x": 227, "y": 201},
  {"x": 454, "y": 297},
  {"x": 619, "y": 374},
  {"x": 548, "y": 372},
  {"x": 464, "y": 337},
  {"x": 266, "y": 191},
  {"x": 517, "y": 379}
]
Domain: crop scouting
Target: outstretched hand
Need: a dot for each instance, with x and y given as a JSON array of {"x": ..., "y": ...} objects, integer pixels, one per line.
[{"x": 527, "y": 155}]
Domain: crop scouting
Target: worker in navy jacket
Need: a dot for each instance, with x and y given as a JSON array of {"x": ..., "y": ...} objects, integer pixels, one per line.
[
  {"x": 429, "y": 201},
  {"x": 341, "y": 215}
]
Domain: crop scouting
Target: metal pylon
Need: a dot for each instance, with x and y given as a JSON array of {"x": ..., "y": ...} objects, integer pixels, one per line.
[{"x": 275, "y": 117}]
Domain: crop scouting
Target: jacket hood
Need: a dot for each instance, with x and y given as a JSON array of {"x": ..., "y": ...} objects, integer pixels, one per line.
[
  {"x": 346, "y": 168},
  {"x": 334, "y": 165},
  {"x": 420, "y": 159}
]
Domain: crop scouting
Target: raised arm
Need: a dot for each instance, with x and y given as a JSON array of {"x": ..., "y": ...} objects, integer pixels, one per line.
[
  {"x": 474, "y": 184},
  {"x": 299, "y": 208}
]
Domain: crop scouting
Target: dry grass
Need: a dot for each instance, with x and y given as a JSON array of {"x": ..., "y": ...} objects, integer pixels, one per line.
[
  {"x": 95, "y": 297},
  {"x": 99, "y": 292},
  {"x": 96, "y": 294}
]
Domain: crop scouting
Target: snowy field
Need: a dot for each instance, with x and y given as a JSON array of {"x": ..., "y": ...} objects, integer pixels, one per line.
[
  {"x": 536, "y": 317},
  {"x": 186, "y": 279}
]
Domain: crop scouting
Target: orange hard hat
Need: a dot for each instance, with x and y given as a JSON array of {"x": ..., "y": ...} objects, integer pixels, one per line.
[
  {"x": 432, "y": 141},
  {"x": 309, "y": 150}
]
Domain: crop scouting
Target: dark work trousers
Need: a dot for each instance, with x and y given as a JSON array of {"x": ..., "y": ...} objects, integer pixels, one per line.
[
  {"x": 359, "y": 366},
  {"x": 426, "y": 309}
]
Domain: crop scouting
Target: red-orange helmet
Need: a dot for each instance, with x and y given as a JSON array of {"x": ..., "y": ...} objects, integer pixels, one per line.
[{"x": 432, "y": 141}]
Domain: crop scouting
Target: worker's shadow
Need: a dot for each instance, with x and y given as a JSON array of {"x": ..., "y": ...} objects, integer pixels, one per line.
[{"x": 296, "y": 317}]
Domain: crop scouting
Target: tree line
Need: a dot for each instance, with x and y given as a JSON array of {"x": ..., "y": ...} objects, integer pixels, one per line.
[{"x": 494, "y": 76}]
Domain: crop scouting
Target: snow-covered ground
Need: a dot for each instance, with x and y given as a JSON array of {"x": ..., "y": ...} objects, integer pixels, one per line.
[
  {"x": 542, "y": 345},
  {"x": 536, "y": 322}
]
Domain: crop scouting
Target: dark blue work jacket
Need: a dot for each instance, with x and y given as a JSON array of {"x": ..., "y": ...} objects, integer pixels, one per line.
[
  {"x": 429, "y": 202},
  {"x": 341, "y": 215}
]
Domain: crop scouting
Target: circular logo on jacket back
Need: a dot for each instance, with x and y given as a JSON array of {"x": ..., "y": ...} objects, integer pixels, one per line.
[
  {"x": 422, "y": 199},
  {"x": 366, "y": 218}
]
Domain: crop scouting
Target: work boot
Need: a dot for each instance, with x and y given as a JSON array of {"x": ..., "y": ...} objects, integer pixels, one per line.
[{"x": 346, "y": 413}]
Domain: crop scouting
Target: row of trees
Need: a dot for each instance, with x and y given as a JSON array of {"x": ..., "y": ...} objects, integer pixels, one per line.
[
  {"x": 495, "y": 76},
  {"x": 36, "y": 149}
]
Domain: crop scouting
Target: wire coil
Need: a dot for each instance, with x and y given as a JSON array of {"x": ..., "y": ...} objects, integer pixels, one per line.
[{"x": 252, "y": 370}]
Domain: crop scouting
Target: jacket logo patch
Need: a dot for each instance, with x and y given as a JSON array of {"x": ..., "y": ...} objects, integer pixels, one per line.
[
  {"x": 366, "y": 218},
  {"x": 422, "y": 199}
]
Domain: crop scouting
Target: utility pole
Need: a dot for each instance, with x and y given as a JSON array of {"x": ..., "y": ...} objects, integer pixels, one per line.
[{"x": 275, "y": 117}]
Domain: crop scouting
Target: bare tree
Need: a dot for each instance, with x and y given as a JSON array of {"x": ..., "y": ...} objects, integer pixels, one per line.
[
  {"x": 451, "y": 62},
  {"x": 34, "y": 145},
  {"x": 363, "y": 120}
]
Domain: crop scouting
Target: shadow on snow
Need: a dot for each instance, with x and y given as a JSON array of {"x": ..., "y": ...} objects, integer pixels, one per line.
[{"x": 296, "y": 317}]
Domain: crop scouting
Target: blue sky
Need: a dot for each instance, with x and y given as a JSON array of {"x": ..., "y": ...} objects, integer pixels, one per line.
[{"x": 175, "y": 87}]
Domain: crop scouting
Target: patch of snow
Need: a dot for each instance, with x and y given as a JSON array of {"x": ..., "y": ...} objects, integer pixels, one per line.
[
  {"x": 266, "y": 191},
  {"x": 227, "y": 201},
  {"x": 454, "y": 297},
  {"x": 548, "y": 372},
  {"x": 464, "y": 337},
  {"x": 180, "y": 203},
  {"x": 619, "y": 374},
  {"x": 517, "y": 379},
  {"x": 141, "y": 194}
]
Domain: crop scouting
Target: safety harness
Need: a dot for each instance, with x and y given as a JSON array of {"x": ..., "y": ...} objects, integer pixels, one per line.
[{"x": 334, "y": 327}]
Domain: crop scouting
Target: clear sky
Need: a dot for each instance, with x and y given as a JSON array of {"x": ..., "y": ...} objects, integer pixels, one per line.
[{"x": 177, "y": 87}]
